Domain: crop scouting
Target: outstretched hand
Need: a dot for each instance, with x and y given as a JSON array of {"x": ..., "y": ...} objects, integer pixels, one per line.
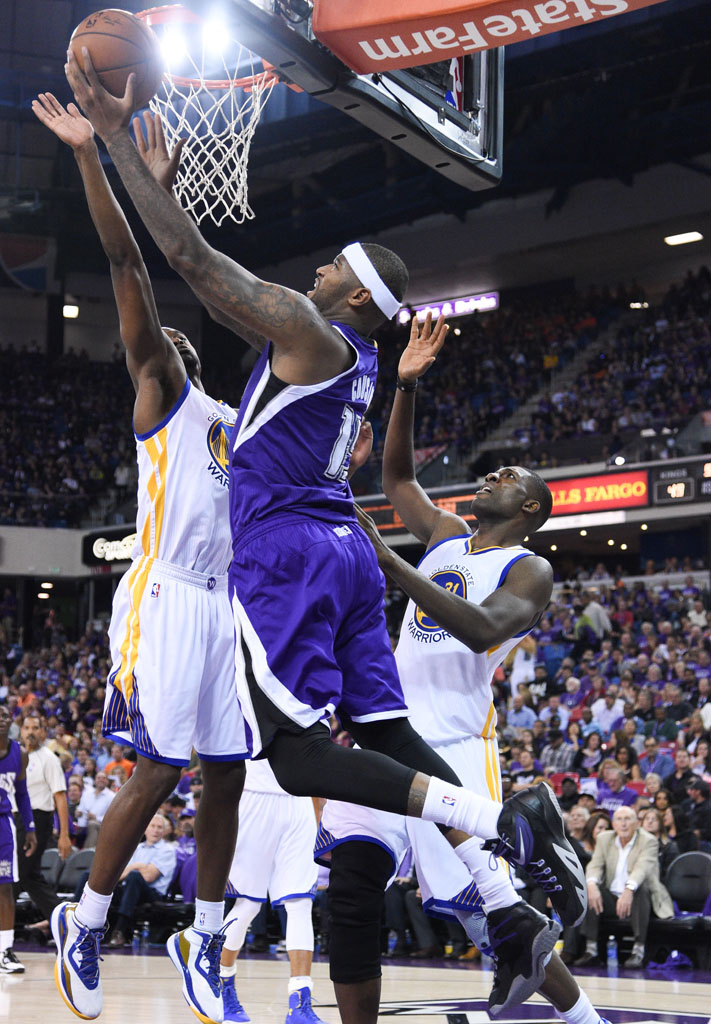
[
  {"x": 422, "y": 348},
  {"x": 108, "y": 114},
  {"x": 151, "y": 144},
  {"x": 68, "y": 125}
]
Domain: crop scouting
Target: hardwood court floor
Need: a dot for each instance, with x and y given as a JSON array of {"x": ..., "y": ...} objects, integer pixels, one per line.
[{"x": 140, "y": 989}]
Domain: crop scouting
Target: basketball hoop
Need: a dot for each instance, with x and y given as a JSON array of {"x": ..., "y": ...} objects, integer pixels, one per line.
[{"x": 215, "y": 106}]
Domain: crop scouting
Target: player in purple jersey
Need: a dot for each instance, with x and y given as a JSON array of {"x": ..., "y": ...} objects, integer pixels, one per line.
[
  {"x": 13, "y": 793},
  {"x": 305, "y": 586}
]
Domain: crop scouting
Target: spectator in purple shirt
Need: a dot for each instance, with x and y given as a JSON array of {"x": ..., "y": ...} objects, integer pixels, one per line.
[{"x": 612, "y": 792}]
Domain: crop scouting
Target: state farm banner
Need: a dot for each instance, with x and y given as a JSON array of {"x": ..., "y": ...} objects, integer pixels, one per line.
[
  {"x": 382, "y": 35},
  {"x": 599, "y": 493}
]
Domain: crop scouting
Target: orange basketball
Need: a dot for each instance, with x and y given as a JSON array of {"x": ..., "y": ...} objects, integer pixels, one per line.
[{"x": 120, "y": 43}]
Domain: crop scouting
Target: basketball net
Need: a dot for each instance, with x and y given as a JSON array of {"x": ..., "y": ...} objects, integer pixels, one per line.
[{"x": 217, "y": 110}]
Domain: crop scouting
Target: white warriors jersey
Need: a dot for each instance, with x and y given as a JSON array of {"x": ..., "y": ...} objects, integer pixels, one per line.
[
  {"x": 447, "y": 686},
  {"x": 183, "y": 505}
]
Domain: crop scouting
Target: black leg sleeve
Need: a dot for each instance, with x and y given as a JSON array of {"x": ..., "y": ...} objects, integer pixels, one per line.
[
  {"x": 396, "y": 738},
  {"x": 356, "y": 898},
  {"x": 310, "y": 764}
]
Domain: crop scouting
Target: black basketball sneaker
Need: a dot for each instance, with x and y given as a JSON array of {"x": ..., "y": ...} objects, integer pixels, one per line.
[
  {"x": 521, "y": 940},
  {"x": 532, "y": 836}
]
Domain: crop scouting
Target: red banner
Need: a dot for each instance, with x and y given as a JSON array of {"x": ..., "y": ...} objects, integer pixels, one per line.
[
  {"x": 599, "y": 493},
  {"x": 381, "y": 35}
]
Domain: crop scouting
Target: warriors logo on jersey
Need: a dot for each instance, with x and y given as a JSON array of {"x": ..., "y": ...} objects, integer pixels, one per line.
[
  {"x": 454, "y": 580},
  {"x": 218, "y": 445}
]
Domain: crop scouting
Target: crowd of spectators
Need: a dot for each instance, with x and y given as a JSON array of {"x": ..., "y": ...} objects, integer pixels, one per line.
[{"x": 609, "y": 699}]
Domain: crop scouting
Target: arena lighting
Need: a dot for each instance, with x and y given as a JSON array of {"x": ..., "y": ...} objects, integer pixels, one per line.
[
  {"x": 462, "y": 306},
  {"x": 173, "y": 45},
  {"x": 457, "y": 331},
  {"x": 639, "y": 305},
  {"x": 70, "y": 311},
  {"x": 554, "y": 547},
  {"x": 684, "y": 238},
  {"x": 644, "y": 526},
  {"x": 611, "y": 543},
  {"x": 43, "y": 597},
  {"x": 47, "y": 586},
  {"x": 583, "y": 533},
  {"x": 620, "y": 460},
  {"x": 525, "y": 540},
  {"x": 215, "y": 33},
  {"x": 623, "y": 547}
]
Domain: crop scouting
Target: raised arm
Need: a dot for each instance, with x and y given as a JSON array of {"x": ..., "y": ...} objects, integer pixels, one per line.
[
  {"x": 305, "y": 341},
  {"x": 151, "y": 144},
  {"x": 419, "y": 514},
  {"x": 513, "y": 607},
  {"x": 156, "y": 369}
]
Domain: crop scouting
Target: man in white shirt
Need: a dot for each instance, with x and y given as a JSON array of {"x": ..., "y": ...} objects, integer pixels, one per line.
[
  {"x": 599, "y": 619},
  {"x": 93, "y": 806},
  {"x": 623, "y": 882},
  {"x": 607, "y": 710},
  {"x": 48, "y": 793}
]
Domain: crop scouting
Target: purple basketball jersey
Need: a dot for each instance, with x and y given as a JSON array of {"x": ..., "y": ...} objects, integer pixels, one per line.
[
  {"x": 10, "y": 768},
  {"x": 292, "y": 444}
]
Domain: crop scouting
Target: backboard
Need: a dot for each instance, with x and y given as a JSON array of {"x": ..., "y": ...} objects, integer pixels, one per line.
[{"x": 448, "y": 115}]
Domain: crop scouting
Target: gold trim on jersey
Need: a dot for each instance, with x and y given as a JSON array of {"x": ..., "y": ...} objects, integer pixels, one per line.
[
  {"x": 471, "y": 550},
  {"x": 157, "y": 451}
]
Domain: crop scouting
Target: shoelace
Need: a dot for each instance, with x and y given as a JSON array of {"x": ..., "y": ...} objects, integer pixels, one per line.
[
  {"x": 212, "y": 954},
  {"x": 88, "y": 946},
  {"x": 543, "y": 876},
  {"x": 498, "y": 847},
  {"x": 230, "y": 1000}
]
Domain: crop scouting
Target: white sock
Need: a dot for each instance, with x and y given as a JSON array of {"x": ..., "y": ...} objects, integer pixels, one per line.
[
  {"x": 490, "y": 876},
  {"x": 6, "y": 939},
  {"x": 92, "y": 908},
  {"x": 461, "y": 809},
  {"x": 300, "y": 982},
  {"x": 228, "y": 972},
  {"x": 583, "y": 1012},
  {"x": 208, "y": 916}
]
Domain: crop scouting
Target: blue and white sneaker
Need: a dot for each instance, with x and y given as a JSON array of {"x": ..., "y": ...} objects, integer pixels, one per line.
[
  {"x": 234, "y": 1011},
  {"x": 532, "y": 836},
  {"x": 76, "y": 970},
  {"x": 196, "y": 954},
  {"x": 300, "y": 1009}
]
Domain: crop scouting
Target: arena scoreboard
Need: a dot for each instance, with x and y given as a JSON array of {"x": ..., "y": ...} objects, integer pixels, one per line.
[{"x": 672, "y": 482}]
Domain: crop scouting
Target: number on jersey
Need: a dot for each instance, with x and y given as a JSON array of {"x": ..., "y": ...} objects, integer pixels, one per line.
[{"x": 342, "y": 450}]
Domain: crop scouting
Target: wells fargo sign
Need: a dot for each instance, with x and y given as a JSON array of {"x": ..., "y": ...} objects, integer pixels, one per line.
[
  {"x": 381, "y": 35},
  {"x": 600, "y": 493}
]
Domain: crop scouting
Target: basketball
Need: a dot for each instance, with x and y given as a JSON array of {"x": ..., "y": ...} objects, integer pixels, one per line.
[{"x": 119, "y": 43}]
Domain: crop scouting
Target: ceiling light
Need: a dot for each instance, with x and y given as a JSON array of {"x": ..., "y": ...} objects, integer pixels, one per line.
[
  {"x": 583, "y": 533},
  {"x": 457, "y": 331},
  {"x": 623, "y": 547},
  {"x": 42, "y": 596},
  {"x": 611, "y": 543},
  {"x": 684, "y": 238},
  {"x": 620, "y": 460},
  {"x": 525, "y": 540},
  {"x": 70, "y": 311},
  {"x": 554, "y": 547},
  {"x": 644, "y": 526},
  {"x": 47, "y": 586}
]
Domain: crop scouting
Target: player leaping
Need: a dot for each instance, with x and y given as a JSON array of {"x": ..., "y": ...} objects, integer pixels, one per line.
[
  {"x": 306, "y": 590},
  {"x": 171, "y": 685}
]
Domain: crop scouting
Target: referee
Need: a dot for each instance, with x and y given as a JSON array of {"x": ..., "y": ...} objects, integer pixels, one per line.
[{"x": 48, "y": 792}]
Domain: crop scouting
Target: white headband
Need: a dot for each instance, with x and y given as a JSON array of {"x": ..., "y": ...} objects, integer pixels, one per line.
[{"x": 371, "y": 279}]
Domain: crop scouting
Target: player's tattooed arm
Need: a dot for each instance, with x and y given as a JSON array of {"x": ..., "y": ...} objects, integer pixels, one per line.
[
  {"x": 287, "y": 318},
  {"x": 511, "y": 609}
]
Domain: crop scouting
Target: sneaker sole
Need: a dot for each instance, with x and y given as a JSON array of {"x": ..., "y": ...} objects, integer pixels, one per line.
[
  {"x": 58, "y": 965},
  {"x": 524, "y": 987},
  {"x": 553, "y": 818},
  {"x": 172, "y": 946}
]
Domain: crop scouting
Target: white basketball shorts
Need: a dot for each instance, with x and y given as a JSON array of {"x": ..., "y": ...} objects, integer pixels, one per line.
[
  {"x": 172, "y": 682},
  {"x": 274, "y": 852}
]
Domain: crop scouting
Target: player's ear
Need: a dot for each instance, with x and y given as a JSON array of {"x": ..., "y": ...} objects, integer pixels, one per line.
[
  {"x": 359, "y": 297},
  {"x": 531, "y": 506}
]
